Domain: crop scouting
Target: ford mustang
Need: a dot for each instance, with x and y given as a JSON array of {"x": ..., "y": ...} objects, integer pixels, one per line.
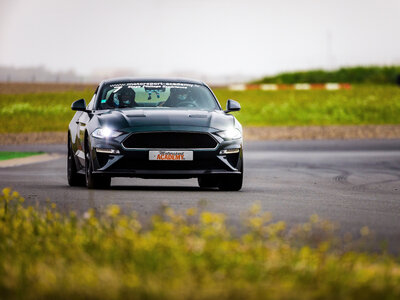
[{"x": 155, "y": 128}]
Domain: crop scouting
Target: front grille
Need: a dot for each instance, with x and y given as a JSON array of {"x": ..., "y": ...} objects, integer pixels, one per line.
[{"x": 170, "y": 140}]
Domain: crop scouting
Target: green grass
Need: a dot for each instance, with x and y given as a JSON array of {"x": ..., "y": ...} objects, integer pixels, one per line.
[
  {"x": 361, "y": 105},
  {"x": 194, "y": 255},
  {"x": 38, "y": 112},
  {"x": 9, "y": 155}
]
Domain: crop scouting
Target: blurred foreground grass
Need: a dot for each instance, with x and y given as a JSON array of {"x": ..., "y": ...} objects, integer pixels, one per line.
[
  {"x": 48, "y": 255},
  {"x": 363, "y": 104}
]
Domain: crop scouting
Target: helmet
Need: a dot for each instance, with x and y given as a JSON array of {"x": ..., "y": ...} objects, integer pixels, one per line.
[
  {"x": 126, "y": 96},
  {"x": 180, "y": 94}
]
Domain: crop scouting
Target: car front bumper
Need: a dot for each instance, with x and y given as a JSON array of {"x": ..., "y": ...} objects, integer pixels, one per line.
[{"x": 136, "y": 163}]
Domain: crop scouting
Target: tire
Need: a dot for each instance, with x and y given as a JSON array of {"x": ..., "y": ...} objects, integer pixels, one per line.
[
  {"x": 207, "y": 182},
  {"x": 94, "y": 181},
  {"x": 74, "y": 178},
  {"x": 231, "y": 182}
]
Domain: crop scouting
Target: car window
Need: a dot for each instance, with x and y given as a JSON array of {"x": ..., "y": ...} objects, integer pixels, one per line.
[
  {"x": 91, "y": 103},
  {"x": 160, "y": 95}
]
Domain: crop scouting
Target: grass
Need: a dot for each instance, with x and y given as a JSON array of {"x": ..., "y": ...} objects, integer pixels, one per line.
[
  {"x": 38, "y": 112},
  {"x": 364, "y": 104},
  {"x": 193, "y": 255},
  {"x": 9, "y": 155},
  {"x": 361, "y": 105}
]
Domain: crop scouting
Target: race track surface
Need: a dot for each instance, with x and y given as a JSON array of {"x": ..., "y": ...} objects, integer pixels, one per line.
[{"x": 352, "y": 183}]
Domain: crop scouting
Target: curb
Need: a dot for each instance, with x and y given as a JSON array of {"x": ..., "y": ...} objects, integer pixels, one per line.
[{"x": 15, "y": 162}]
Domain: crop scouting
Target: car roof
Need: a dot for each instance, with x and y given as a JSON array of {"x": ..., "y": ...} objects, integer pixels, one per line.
[{"x": 151, "y": 79}]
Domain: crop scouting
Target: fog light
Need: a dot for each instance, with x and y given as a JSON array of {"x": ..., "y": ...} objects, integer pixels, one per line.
[
  {"x": 108, "y": 151},
  {"x": 229, "y": 151}
]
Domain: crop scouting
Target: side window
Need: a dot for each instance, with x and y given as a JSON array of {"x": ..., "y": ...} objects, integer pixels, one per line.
[{"x": 91, "y": 103}]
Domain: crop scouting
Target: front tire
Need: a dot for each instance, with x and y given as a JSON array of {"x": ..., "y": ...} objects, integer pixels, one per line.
[
  {"x": 231, "y": 182},
  {"x": 207, "y": 182},
  {"x": 94, "y": 181},
  {"x": 74, "y": 179}
]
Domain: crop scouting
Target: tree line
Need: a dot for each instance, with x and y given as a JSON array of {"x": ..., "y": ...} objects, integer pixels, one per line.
[{"x": 360, "y": 74}]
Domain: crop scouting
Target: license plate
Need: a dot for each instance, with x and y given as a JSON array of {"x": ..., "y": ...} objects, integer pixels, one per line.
[{"x": 170, "y": 155}]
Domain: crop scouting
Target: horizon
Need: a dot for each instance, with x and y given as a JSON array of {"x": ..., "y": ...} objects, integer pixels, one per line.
[{"x": 40, "y": 74}]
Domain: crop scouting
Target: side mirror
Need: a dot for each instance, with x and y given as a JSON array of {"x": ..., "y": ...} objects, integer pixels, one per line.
[
  {"x": 79, "y": 105},
  {"x": 232, "y": 105}
]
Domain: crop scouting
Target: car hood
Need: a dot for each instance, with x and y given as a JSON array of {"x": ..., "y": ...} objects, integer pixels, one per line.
[{"x": 136, "y": 119}]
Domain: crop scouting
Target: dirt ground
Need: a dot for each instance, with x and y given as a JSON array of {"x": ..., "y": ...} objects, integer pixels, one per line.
[
  {"x": 250, "y": 134},
  {"x": 322, "y": 132},
  {"x": 33, "y": 138}
]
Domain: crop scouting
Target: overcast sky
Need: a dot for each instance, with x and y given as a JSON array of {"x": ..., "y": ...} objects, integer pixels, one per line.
[{"x": 212, "y": 37}]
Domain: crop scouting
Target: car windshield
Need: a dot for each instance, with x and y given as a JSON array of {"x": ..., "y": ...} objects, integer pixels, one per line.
[{"x": 156, "y": 95}]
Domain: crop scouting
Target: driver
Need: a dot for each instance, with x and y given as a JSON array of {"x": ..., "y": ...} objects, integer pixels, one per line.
[
  {"x": 124, "y": 97},
  {"x": 177, "y": 97},
  {"x": 182, "y": 95}
]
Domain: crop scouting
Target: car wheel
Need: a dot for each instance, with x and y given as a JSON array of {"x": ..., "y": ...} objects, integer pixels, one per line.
[
  {"x": 94, "y": 181},
  {"x": 74, "y": 179},
  {"x": 231, "y": 182},
  {"x": 207, "y": 182}
]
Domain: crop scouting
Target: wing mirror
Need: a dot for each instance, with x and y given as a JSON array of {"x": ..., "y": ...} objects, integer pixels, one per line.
[
  {"x": 79, "y": 105},
  {"x": 232, "y": 105}
]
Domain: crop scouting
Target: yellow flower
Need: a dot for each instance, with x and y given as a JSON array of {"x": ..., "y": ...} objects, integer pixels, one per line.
[
  {"x": 314, "y": 218},
  {"x": 191, "y": 211},
  {"x": 364, "y": 231},
  {"x": 256, "y": 222},
  {"x": 6, "y": 192},
  {"x": 113, "y": 210},
  {"x": 255, "y": 208}
]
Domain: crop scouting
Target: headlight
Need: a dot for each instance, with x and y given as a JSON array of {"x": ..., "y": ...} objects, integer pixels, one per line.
[
  {"x": 105, "y": 132},
  {"x": 230, "y": 134}
]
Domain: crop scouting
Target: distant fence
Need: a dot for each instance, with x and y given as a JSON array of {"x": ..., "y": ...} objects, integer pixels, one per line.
[{"x": 298, "y": 86}]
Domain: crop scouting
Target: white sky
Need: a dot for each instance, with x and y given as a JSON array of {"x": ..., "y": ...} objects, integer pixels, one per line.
[{"x": 212, "y": 37}]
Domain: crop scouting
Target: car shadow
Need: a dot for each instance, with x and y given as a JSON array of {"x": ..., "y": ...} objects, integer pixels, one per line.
[{"x": 161, "y": 188}]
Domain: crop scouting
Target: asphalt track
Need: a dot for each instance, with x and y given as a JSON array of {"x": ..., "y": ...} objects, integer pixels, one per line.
[{"x": 353, "y": 183}]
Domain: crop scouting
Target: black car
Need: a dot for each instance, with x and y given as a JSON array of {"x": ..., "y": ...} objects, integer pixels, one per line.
[{"x": 155, "y": 128}]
